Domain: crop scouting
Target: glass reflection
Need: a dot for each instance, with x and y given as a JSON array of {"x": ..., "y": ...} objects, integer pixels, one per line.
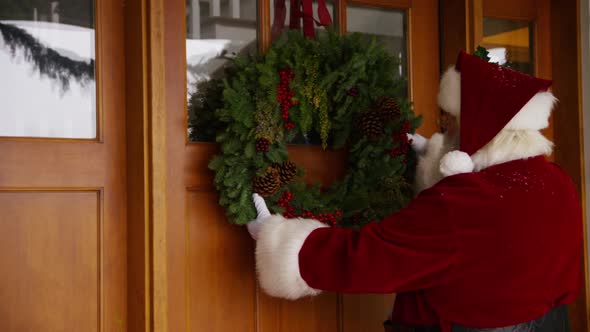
[
  {"x": 217, "y": 31},
  {"x": 509, "y": 43},
  {"x": 47, "y": 61},
  {"x": 388, "y": 26}
]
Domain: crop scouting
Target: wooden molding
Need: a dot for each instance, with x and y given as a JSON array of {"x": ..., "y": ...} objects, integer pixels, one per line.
[
  {"x": 525, "y": 10},
  {"x": 341, "y": 16},
  {"x": 156, "y": 163},
  {"x": 565, "y": 49},
  {"x": 454, "y": 17},
  {"x": 146, "y": 169},
  {"x": 474, "y": 22},
  {"x": 177, "y": 144},
  {"x": 424, "y": 69},
  {"x": 264, "y": 27},
  {"x": 98, "y": 54},
  {"x": 394, "y": 4}
]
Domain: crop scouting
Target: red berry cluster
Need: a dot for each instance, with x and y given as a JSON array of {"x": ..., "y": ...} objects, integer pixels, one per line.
[
  {"x": 262, "y": 145},
  {"x": 285, "y": 203},
  {"x": 285, "y": 95},
  {"x": 325, "y": 217},
  {"x": 352, "y": 92},
  {"x": 330, "y": 218},
  {"x": 403, "y": 142}
]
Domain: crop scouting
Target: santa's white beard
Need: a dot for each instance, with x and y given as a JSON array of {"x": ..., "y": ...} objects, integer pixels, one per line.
[{"x": 428, "y": 168}]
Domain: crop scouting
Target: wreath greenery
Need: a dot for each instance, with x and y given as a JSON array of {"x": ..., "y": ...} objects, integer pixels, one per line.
[{"x": 344, "y": 90}]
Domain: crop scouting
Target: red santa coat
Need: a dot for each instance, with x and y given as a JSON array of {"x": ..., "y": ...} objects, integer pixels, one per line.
[{"x": 486, "y": 249}]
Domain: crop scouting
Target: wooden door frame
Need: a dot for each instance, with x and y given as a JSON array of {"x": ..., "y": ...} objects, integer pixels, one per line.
[
  {"x": 557, "y": 46},
  {"x": 568, "y": 130},
  {"x": 146, "y": 115}
]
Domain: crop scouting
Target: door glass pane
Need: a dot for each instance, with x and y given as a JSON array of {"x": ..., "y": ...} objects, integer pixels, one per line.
[
  {"x": 510, "y": 43},
  {"x": 47, "y": 81},
  {"x": 217, "y": 30},
  {"x": 388, "y": 26}
]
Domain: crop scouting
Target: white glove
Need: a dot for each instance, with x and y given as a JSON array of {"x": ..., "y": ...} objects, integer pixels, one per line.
[
  {"x": 419, "y": 143},
  {"x": 263, "y": 213}
]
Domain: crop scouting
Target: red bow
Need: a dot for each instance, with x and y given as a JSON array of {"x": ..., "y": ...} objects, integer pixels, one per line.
[{"x": 300, "y": 9}]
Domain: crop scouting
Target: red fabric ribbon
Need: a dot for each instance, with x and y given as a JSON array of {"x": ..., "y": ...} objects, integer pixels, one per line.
[
  {"x": 294, "y": 22},
  {"x": 300, "y": 9}
]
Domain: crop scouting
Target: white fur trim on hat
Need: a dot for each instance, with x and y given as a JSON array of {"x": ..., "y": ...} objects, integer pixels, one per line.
[
  {"x": 277, "y": 256},
  {"x": 534, "y": 115},
  {"x": 456, "y": 162},
  {"x": 449, "y": 93}
]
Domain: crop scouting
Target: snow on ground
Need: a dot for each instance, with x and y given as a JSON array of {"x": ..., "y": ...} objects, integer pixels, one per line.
[{"x": 201, "y": 57}]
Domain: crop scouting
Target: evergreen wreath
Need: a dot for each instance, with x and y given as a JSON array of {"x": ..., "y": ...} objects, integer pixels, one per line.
[{"x": 343, "y": 89}]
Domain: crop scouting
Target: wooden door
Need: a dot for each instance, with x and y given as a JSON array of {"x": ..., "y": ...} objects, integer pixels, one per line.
[
  {"x": 545, "y": 35},
  {"x": 211, "y": 283},
  {"x": 63, "y": 201}
]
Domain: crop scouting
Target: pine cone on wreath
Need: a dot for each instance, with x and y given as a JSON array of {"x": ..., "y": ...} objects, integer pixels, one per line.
[
  {"x": 267, "y": 184},
  {"x": 389, "y": 108},
  {"x": 371, "y": 124},
  {"x": 287, "y": 171}
]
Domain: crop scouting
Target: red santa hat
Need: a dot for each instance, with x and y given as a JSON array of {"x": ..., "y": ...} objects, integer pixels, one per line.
[{"x": 488, "y": 98}]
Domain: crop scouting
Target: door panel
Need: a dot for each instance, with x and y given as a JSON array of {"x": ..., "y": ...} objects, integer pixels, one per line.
[
  {"x": 317, "y": 314},
  {"x": 221, "y": 285},
  {"x": 63, "y": 211},
  {"x": 320, "y": 313},
  {"x": 53, "y": 283},
  {"x": 366, "y": 312}
]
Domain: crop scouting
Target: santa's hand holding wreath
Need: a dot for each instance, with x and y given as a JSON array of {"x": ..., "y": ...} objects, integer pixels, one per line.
[{"x": 493, "y": 238}]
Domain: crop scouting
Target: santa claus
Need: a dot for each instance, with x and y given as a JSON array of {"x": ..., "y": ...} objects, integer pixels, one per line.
[{"x": 492, "y": 241}]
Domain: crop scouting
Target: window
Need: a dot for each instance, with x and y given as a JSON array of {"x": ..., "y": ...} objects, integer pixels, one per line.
[
  {"x": 218, "y": 30},
  {"x": 47, "y": 58},
  {"x": 510, "y": 43}
]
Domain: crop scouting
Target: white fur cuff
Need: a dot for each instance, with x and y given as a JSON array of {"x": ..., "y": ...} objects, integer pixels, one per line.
[
  {"x": 456, "y": 162},
  {"x": 277, "y": 256}
]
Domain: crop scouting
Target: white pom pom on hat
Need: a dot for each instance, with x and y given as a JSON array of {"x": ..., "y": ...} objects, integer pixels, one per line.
[{"x": 456, "y": 162}]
